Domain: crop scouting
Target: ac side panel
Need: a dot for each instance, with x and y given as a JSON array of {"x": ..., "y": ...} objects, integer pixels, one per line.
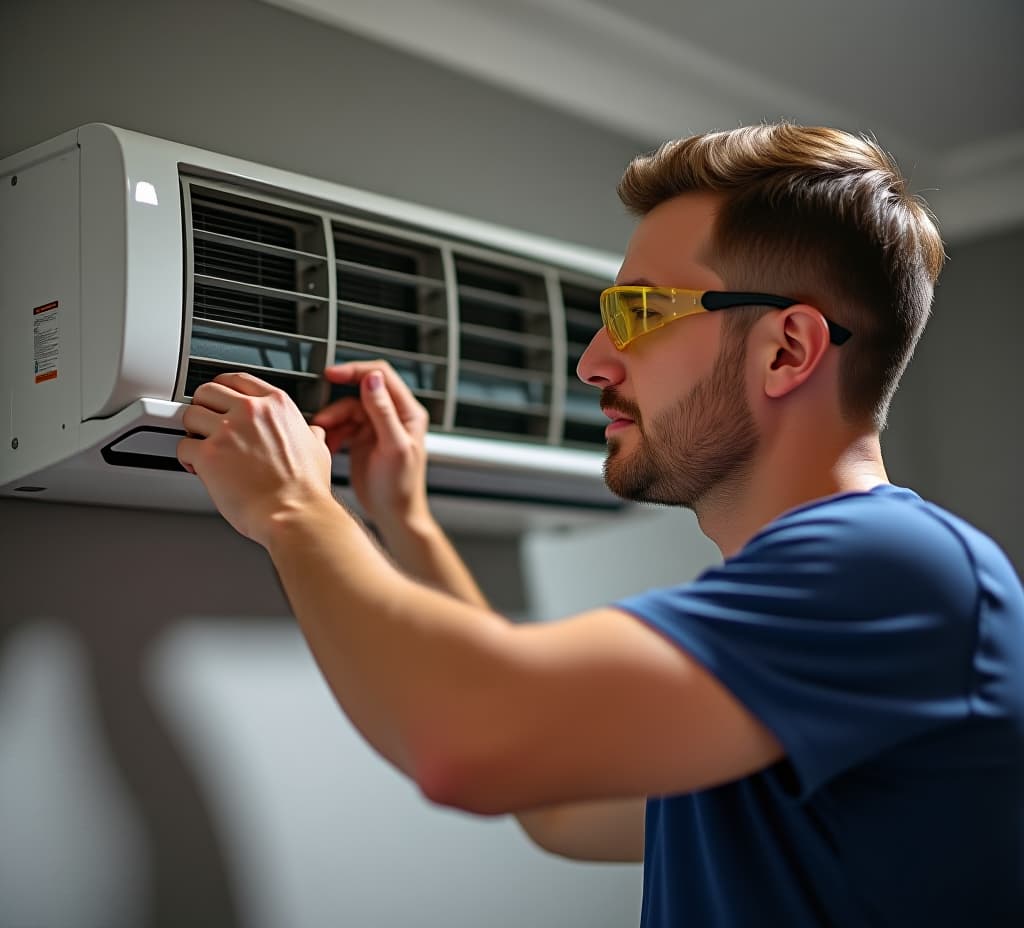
[
  {"x": 132, "y": 269},
  {"x": 40, "y": 374}
]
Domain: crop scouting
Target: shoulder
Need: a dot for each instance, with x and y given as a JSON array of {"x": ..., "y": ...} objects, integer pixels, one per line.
[
  {"x": 887, "y": 538},
  {"x": 858, "y": 556}
]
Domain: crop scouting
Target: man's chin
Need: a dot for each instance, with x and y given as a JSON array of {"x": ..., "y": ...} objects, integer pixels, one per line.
[{"x": 623, "y": 480}]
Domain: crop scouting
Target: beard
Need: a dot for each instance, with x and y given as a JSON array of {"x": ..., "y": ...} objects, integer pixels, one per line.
[{"x": 705, "y": 441}]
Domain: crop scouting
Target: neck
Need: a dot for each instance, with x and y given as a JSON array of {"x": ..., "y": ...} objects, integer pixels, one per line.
[{"x": 786, "y": 475}]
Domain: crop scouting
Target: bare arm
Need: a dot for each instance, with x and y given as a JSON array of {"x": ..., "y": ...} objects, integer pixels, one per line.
[
  {"x": 610, "y": 830},
  {"x": 484, "y": 715},
  {"x": 383, "y": 431}
]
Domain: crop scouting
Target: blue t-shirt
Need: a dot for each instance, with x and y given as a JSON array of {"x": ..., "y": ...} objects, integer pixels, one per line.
[{"x": 882, "y": 640}]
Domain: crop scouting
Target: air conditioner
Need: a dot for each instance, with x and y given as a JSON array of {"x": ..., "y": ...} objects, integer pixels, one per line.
[{"x": 132, "y": 269}]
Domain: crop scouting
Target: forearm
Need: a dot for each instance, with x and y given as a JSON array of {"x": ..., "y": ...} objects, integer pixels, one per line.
[
  {"x": 424, "y": 551},
  {"x": 400, "y": 658},
  {"x": 610, "y": 830}
]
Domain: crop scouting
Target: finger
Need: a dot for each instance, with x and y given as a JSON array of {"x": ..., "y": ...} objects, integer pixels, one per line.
[
  {"x": 343, "y": 410},
  {"x": 319, "y": 433},
  {"x": 245, "y": 383},
  {"x": 409, "y": 408},
  {"x": 188, "y": 450},
  {"x": 381, "y": 410},
  {"x": 342, "y": 420},
  {"x": 213, "y": 395},
  {"x": 348, "y": 434},
  {"x": 201, "y": 421},
  {"x": 352, "y": 371}
]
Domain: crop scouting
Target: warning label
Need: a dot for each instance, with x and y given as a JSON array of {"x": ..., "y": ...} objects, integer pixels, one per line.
[{"x": 46, "y": 340}]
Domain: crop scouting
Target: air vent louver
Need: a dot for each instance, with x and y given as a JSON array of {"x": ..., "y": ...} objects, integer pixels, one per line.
[
  {"x": 280, "y": 290},
  {"x": 505, "y": 356},
  {"x": 392, "y": 303},
  {"x": 259, "y": 297}
]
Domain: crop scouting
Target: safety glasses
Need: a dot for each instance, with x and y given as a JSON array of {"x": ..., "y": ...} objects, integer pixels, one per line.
[{"x": 629, "y": 312}]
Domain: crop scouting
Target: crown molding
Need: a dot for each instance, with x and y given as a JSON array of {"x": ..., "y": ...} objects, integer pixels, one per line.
[{"x": 637, "y": 81}]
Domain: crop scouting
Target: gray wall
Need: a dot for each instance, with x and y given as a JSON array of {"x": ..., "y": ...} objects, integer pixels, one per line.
[
  {"x": 243, "y": 78},
  {"x": 957, "y": 422},
  {"x": 168, "y": 752},
  {"x": 171, "y": 756}
]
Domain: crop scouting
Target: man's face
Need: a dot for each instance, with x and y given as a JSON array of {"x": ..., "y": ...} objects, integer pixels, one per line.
[{"x": 681, "y": 424}]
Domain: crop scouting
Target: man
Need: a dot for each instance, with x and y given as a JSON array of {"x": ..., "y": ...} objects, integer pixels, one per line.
[{"x": 825, "y": 729}]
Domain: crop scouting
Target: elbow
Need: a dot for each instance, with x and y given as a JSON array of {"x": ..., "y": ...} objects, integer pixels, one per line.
[{"x": 460, "y": 779}]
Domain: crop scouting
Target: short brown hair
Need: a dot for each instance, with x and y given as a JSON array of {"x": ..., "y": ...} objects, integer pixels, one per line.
[{"x": 819, "y": 215}]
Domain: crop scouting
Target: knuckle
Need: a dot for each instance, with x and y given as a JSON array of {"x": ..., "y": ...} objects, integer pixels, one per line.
[{"x": 248, "y": 405}]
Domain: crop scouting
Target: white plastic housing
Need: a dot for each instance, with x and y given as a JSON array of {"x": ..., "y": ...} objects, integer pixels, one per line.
[{"x": 94, "y": 310}]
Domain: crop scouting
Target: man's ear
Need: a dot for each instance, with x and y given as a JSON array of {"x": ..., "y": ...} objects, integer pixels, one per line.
[{"x": 798, "y": 339}]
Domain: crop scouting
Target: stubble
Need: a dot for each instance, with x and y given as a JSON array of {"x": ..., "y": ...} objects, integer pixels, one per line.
[{"x": 702, "y": 444}]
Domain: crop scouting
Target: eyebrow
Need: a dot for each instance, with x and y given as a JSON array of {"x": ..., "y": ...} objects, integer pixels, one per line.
[{"x": 642, "y": 282}]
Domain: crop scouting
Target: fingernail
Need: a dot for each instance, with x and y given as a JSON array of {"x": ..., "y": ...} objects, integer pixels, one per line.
[{"x": 374, "y": 380}]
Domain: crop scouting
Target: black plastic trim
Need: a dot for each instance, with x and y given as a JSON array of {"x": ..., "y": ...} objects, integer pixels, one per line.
[{"x": 146, "y": 461}]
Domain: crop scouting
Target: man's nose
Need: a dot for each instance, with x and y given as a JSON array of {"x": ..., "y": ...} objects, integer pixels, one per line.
[{"x": 601, "y": 364}]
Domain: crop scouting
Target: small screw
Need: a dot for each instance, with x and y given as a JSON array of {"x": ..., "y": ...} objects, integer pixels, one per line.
[
  {"x": 14, "y": 181},
  {"x": 14, "y": 443}
]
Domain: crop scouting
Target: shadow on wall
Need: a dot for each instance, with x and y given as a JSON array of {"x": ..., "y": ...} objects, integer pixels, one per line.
[
  {"x": 170, "y": 755},
  {"x": 112, "y": 584}
]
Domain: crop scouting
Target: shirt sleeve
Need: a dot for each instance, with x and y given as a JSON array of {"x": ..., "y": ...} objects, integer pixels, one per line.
[{"x": 846, "y": 629}]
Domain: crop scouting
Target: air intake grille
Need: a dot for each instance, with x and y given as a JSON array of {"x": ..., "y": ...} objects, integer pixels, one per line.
[
  {"x": 393, "y": 303},
  {"x": 505, "y": 366},
  {"x": 260, "y": 298},
  {"x": 488, "y": 342}
]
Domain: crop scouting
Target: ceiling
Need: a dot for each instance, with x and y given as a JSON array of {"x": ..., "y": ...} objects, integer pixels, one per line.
[{"x": 938, "y": 82}]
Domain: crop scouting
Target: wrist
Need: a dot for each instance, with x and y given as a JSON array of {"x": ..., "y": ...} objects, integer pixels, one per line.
[
  {"x": 415, "y": 524},
  {"x": 296, "y": 520}
]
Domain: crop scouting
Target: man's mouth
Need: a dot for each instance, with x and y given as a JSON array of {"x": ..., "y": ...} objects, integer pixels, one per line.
[{"x": 618, "y": 420}]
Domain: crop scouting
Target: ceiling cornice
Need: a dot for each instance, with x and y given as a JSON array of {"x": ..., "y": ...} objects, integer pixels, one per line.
[{"x": 640, "y": 82}]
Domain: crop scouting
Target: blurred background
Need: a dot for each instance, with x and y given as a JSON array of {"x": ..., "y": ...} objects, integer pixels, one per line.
[{"x": 169, "y": 754}]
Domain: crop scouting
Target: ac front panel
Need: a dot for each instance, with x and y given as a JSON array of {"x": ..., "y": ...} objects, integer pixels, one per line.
[
  {"x": 481, "y": 337},
  {"x": 132, "y": 269},
  {"x": 191, "y": 263}
]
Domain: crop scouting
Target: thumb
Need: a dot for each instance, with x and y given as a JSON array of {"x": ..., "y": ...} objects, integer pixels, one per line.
[{"x": 380, "y": 409}]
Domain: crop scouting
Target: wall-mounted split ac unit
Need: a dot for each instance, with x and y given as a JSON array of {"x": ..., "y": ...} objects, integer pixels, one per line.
[{"x": 132, "y": 269}]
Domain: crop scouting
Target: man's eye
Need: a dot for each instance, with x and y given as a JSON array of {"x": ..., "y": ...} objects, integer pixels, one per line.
[{"x": 649, "y": 314}]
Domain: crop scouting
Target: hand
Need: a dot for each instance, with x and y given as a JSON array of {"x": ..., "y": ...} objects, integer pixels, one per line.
[
  {"x": 383, "y": 429},
  {"x": 254, "y": 453}
]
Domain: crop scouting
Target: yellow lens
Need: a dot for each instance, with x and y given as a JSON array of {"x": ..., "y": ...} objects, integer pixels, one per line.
[
  {"x": 616, "y": 319},
  {"x": 629, "y": 312},
  {"x": 627, "y": 315}
]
